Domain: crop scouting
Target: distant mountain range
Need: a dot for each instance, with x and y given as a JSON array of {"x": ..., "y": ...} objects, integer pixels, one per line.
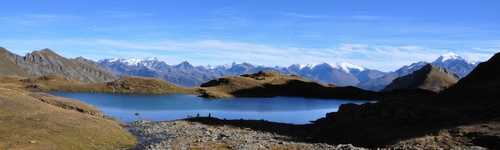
[
  {"x": 185, "y": 74},
  {"x": 46, "y": 62},
  {"x": 340, "y": 74}
]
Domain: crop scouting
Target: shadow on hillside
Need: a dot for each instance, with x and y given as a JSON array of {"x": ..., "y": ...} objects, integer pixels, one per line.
[
  {"x": 298, "y": 88},
  {"x": 368, "y": 125}
]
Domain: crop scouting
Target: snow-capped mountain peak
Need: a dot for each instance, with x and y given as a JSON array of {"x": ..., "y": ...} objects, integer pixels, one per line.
[
  {"x": 344, "y": 66},
  {"x": 302, "y": 66},
  {"x": 347, "y": 67},
  {"x": 131, "y": 61},
  {"x": 449, "y": 56}
]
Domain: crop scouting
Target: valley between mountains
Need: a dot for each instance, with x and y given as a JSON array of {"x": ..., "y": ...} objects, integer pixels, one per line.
[{"x": 449, "y": 103}]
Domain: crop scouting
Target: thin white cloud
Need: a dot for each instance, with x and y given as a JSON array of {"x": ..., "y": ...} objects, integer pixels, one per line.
[
  {"x": 304, "y": 16},
  {"x": 125, "y": 14},
  {"x": 366, "y": 17},
  {"x": 38, "y": 19},
  {"x": 327, "y": 17}
]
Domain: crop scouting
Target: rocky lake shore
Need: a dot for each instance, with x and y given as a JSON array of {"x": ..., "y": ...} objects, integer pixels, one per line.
[
  {"x": 184, "y": 134},
  {"x": 213, "y": 133}
]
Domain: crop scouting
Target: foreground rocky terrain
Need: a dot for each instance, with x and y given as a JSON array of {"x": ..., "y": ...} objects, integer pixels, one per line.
[
  {"x": 193, "y": 135},
  {"x": 213, "y": 133}
]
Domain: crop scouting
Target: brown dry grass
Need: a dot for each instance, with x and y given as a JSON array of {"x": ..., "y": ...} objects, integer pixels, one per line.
[
  {"x": 271, "y": 84},
  {"x": 39, "y": 121},
  {"x": 125, "y": 85},
  {"x": 223, "y": 87}
]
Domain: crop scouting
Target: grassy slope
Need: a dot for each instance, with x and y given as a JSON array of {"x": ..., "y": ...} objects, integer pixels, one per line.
[
  {"x": 27, "y": 122},
  {"x": 428, "y": 78}
]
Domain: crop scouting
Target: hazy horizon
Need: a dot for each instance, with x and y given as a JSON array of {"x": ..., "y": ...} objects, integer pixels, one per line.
[{"x": 382, "y": 35}]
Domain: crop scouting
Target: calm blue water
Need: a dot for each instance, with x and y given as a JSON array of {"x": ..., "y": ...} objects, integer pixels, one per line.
[{"x": 172, "y": 107}]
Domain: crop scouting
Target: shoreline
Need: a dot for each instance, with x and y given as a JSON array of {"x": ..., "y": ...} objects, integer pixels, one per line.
[{"x": 188, "y": 133}]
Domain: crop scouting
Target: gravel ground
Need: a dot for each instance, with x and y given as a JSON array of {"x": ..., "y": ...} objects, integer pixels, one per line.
[{"x": 191, "y": 135}]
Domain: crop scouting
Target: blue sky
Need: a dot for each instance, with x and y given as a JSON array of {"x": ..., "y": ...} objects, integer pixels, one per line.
[{"x": 384, "y": 34}]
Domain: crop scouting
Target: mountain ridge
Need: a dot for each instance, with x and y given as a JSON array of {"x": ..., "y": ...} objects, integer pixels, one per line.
[
  {"x": 47, "y": 62},
  {"x": 340, "y": 74},
  {"x": 429, "y": 77}
]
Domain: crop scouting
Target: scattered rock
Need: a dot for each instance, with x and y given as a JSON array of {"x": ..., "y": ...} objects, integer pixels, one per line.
[{"x": 191, "y": 135}]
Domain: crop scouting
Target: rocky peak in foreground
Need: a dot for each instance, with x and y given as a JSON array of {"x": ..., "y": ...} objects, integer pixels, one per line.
[
  {"x": 429, "y": 77},
  {"x": 48, "y": 62}
]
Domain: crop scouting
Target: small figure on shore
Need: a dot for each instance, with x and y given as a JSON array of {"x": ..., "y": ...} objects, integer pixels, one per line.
[
  {"x": 198, "y": 115},
  {"x": 209, "y": 115},
  {"x": 137, "y": 115}
]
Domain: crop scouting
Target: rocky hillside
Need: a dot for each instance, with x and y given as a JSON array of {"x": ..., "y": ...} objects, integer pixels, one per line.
[
  {"x": 8, "y": 65},
  {"x": 270, "y": 84},
  {"x": 428, "y": 77},
  {"x": 47, "y": 62}
]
